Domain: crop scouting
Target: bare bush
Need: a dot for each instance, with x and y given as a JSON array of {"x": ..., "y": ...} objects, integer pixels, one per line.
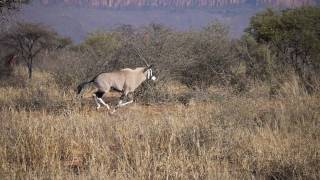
[{"x": 195, "y": 58}]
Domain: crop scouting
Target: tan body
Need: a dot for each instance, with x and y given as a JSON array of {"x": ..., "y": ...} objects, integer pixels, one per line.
[{"x": 125, "y": 80}]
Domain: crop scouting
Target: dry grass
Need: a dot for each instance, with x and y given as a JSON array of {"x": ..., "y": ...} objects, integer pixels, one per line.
[{"x": 46, "y": 133}]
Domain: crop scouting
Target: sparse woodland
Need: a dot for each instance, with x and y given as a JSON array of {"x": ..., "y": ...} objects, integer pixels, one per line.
[{"x": 222, "y": 108}]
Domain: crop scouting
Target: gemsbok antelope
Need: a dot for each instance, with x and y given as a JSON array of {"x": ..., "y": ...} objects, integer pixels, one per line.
[{"x": 124, "y": 81}]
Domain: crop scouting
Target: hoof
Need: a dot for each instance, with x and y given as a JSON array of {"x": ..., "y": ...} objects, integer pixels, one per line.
[{"x": 112, "y": 111}]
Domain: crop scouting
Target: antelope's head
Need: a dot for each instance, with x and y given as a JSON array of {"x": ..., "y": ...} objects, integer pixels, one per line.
[{"x": 148, "y": 72}]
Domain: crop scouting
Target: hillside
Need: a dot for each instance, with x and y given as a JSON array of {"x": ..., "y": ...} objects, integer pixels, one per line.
[{"x": 178, "y": 3}]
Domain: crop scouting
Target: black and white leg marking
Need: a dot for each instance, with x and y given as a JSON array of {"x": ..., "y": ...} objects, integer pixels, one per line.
[
  {"x": 123, "y": 96},
  {"x": 98, "y": 99}
]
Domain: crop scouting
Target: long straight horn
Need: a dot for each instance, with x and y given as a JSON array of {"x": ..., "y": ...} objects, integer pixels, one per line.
[{"x": 142, "y": 58}]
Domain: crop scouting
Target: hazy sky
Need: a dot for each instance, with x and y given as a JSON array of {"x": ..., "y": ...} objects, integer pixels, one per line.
[{"x": 76, "y": 22}]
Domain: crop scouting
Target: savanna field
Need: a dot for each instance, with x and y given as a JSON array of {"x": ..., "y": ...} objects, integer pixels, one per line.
[
  {"x": 48, "y": 133},
  {"x": 220, "y": 109}
]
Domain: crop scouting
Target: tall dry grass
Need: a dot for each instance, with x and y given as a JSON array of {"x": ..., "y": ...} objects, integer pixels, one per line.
[{"x": 48, "y": 133}]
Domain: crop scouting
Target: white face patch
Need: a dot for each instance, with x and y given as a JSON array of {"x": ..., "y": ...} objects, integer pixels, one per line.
[
  {"x": 150, "y": 76},
  {"x": 149, "y": 73}
]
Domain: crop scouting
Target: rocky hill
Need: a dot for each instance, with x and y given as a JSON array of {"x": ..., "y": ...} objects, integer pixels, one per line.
[{"x": 177, "y": 3}]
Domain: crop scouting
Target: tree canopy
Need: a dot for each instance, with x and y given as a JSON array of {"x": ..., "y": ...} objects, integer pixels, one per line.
[
  {"x": 10, "y": 4},
  {"x": 293, "y": 35},
  {"x": 28, "y": 40}
]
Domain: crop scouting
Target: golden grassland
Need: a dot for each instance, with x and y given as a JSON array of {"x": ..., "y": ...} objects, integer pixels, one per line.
[{"x": 47, "y": 133}]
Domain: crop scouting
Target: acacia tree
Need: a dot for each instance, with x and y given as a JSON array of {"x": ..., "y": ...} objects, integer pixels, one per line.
[{"x": 28, "y": 40}]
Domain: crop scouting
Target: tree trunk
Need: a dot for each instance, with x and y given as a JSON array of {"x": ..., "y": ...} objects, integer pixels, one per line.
[
  {"x": 30, "y": 71},
  {"x": 30, "y": 68}
]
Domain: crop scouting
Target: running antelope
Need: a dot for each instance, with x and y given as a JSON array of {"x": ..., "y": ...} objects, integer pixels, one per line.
[{"x": 124, "y": 81}]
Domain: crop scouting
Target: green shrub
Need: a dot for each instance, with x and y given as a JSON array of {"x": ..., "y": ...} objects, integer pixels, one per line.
[{"x": 293, "y": 37}]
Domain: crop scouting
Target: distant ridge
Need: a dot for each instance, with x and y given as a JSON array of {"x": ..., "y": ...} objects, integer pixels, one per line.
[{"x": 114, "y": 4}]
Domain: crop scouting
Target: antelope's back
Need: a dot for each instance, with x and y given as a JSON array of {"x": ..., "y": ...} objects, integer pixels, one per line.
[
  {"x": 111, "y": 79},
  {"x": 133, "y": 77}
]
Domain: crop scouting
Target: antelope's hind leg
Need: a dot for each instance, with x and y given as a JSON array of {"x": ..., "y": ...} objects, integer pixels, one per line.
[{"x": 98, "y": 99}]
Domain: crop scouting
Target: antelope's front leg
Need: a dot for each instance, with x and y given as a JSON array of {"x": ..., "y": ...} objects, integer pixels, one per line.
[
  {"x": 126, "y": 103},
  {"x": 129, "y": 96},
  {"x": 121, "y": 100},
  {"x": 120, "y": 103}
]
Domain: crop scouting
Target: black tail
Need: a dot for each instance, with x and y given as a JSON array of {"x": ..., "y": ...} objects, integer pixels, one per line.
[{"x": 80, "y": 87}]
